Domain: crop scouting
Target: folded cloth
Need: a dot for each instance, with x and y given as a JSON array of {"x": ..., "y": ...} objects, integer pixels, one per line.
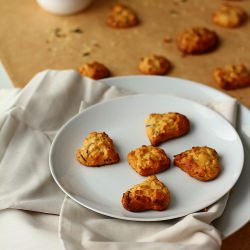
[
  {"x": 29, "y": 119},
  {"x": 29, "y": 122},
  {"x": 26, "y": 230},
  {"x": 81, "y": 228}
]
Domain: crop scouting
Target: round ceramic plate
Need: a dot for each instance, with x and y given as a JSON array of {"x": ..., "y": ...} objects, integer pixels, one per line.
[
  {"x": 236, "y": 213},
  {"x": 100, "y": 189}
]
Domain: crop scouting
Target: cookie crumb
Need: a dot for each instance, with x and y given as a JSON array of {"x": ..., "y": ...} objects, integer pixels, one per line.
[
  {"x": 77, "y": 31},
  {"x": 167, "y": 39}
]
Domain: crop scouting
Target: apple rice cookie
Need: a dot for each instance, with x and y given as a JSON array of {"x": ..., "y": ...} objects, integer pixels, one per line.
[
  {"x": 122, "y": 16},
  {"x": 154, "y": 65},
  {"x": 94, "y": 70},
  {"x": 148, "y": 160},
  {"x": 151, "y": 194},
  {"x": 163, "y": 127},
  {"x": 232, "y": 76},
  {"x": 197, "y": 40},
  {"x": 98, "y": 150},
  {"x": 229, "y": 16},
  {"x": 201, "y": 163}
]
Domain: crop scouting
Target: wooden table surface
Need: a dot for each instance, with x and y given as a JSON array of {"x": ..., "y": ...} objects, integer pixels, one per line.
[{"x": 33, "y": 40}]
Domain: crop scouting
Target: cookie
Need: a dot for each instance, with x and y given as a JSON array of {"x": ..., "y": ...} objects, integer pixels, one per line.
[
  {"x": 151, "y": 194},
  {"x": 122, "y": 16},
  {"x": 163, "y": 127},
  {"x": 154, "y": 65},
  {"x": 94, "y": 70},
  {"x": 197, "y": 40},
  {"x": 148, "y": 160},
  {"x": 232, "y": 76},
  {"x": 201, "y": 163},
  {"x": 98, "y": 150},
  {"x": 229, "y": 16}
]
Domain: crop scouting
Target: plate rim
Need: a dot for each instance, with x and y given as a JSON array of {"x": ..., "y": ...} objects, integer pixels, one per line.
[
  {"x": 114, "y": 99},
  {"x": 240, "y": 209}
]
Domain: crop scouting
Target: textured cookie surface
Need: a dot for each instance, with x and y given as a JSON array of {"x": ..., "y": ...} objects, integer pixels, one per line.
[
  {"x": 98, "y": 150},
  {"x": 148, "y": 160},
  {"x": 162, "y": 127},
  {"x": 150, "y": 194},
  {"x": 197, "y": 40},
  {"x": 122, "y": 16},
  {"x": 201, "y": 163},
  {"x": 229, "y": 16},
  {"x": 94, "y": 70},
  {"x": 232, "y": 76},
  {"x": 154, "y": 65}
]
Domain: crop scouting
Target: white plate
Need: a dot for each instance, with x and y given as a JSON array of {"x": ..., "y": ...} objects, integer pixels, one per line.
[
  {"x": 101, "y": 189},
  {"x": 236, "y": 213}
]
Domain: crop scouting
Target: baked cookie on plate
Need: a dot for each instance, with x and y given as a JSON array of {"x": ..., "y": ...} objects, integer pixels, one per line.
[
  {"x": 148, "y": 160},
  {"x": 98, "y": 150},
  {"x": 201, "y": 163},
  {"x": 151, "y": 194},
  {"x": 163, "y": 127}
]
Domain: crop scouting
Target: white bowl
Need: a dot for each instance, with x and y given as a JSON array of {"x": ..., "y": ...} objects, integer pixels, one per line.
[{"x": 63, "y": 7}]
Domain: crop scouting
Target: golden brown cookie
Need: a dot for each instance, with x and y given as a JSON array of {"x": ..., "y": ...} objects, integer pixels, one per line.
[
  {"x": 197, "y": 40},
  {"x": 154, "y": 65},
  {"x": 163, "y": 127},
  {"x": 148, "y": 160},
  {"x": 98, "y": 150},
  {"x": 232, "y": 76},
  {"x": 229, "y": 16},
  {"x": 201, "y": 163},
  {"x": 122, "y": 16},
  {"x": 94, "y": 70},
  {"x": 150, "y": 194}
]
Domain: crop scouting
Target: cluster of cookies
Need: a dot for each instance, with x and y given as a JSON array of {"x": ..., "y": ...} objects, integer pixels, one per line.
[
  {"x": 197, "y": 40},
  {"x": 201, "y": 163}
]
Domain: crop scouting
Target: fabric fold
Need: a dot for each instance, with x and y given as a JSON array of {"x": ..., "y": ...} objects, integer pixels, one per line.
[
  {"x": 83, "y": 228},
  {"x": 29, "y": 122},
  {"x": 25, "y": 180}
]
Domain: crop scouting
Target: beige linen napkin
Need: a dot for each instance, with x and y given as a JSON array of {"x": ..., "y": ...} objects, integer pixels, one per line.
[
  {"x": 29, "y": 119},
  {"x": 29, "y": 122},
  {"x": 81, "y": 228},
  {"x": 26, "y": 230}
]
